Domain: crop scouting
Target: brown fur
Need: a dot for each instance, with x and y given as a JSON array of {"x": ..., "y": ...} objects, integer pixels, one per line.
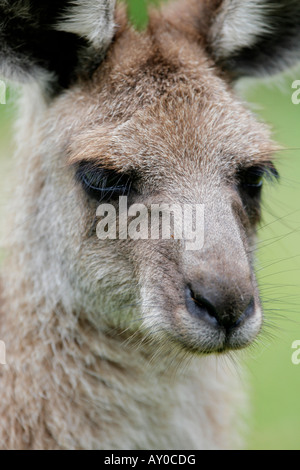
[{"x": 101, "y": 351}]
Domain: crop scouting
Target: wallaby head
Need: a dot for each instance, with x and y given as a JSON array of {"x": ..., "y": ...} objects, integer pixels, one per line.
[{"x": 151, "y": 116}]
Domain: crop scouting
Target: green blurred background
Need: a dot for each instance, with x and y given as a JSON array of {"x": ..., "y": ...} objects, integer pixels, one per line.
[{"x": 275, "y": 381}]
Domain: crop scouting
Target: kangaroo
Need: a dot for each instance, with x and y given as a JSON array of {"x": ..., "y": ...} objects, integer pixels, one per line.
[{"x": 122, "y": 343}]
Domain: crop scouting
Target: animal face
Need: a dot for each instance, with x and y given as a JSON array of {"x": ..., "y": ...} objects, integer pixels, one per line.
[
  {"x": 153, "y": 116},
  {"x": 189, "y": 142}
]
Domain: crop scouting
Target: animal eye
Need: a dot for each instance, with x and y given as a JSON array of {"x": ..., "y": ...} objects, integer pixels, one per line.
[
  {"x": 100, "y": 183},
  {"x": 252, "y": 179}
]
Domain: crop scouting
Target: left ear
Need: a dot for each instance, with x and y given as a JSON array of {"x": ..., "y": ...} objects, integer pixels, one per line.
[
  {"x": 255, "y": 37},
  {"x": 49, "y": 41}
]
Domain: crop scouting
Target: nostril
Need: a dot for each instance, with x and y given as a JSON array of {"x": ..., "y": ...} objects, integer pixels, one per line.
[
  {"x": 248, "y": 312},
  {"x": 222, "y": 312},
  {"x": 203, "y": 303},
  {"x": 200, "y": 307}
]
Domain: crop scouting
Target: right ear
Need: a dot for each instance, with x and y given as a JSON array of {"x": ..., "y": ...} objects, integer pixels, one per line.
[
  {"x": 255, "y": 37},
  {"x": 49, "y": 40},
  {"x": 244, "y": 37}
]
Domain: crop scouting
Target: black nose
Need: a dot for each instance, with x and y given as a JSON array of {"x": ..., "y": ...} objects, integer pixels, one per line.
[{"x": 219, "y": 309}]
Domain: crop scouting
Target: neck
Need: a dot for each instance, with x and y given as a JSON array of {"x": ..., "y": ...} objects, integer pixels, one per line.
[{"x": 76, "y": 386}]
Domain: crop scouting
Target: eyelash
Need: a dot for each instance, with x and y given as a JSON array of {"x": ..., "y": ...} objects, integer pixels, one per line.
[
  {"x": 251, "y": 179},
  {"x": 101, "y": 183}
]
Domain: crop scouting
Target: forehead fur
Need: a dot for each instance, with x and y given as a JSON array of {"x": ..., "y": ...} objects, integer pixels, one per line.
[{"x": 158, "y": 94}]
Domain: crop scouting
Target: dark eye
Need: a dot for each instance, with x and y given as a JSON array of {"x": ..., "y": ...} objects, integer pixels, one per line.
[
  {"x": 251, "y": 180},
  {"x": 100, "y": 183}
]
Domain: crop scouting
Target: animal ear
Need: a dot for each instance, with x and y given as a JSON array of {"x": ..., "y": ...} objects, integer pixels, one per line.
[
  {"x": 255, "y": 37},
  {"x": 49, "y": 40},
  {"x": 244, "y": 37}
]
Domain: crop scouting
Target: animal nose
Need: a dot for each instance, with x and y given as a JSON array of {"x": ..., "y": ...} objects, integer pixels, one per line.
[{"x": 218, "y": 309}]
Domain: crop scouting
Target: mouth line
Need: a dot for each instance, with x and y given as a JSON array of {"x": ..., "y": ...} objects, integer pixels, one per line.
[
  {"x": 219, "y": 345},
  {"x": 225, "y": 348},
  {"x": 199, "y": 337}
]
